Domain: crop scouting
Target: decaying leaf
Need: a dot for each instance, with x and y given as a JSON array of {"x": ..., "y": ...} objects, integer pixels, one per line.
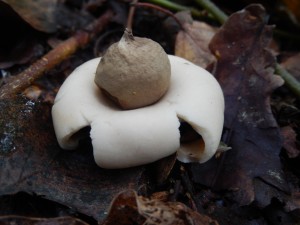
[
  {"x": 192, "y": 42},
  {"x": 32, "y": 162},
  {"x": 128, "y": 207},
  {"x": 289, "y": 141},
  {"x": 20, "y": 220},
  {"x": 245, "y": 71}
]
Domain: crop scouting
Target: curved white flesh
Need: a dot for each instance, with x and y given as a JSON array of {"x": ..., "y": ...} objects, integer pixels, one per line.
[{"x": 125, "y": 138}]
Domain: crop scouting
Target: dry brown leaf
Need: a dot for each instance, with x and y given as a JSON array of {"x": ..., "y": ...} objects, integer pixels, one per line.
[{"x": 192, "y": 42}]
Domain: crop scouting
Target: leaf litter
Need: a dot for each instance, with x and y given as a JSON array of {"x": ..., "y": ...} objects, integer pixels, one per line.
[
  {"x": 245, "y": 71},
  {"x": 251, "y": 174}
]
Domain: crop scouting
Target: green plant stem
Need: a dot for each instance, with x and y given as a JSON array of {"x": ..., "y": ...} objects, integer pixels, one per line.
[
  {"x": 177, "y": 7},
  {"x": 217, "y": 13},
  {"x": 130, "y": 15},
  {"x": 290, "y": 81}
]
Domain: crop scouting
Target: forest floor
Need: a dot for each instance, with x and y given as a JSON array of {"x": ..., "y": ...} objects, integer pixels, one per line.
[{"x": 251, "y": 47}]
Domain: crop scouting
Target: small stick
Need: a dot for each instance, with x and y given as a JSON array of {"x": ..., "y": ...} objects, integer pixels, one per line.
[
  {"x": 158, "y": 8},
  {"x": 18, "y": 83},
  {"x": 131, "y": 15}
]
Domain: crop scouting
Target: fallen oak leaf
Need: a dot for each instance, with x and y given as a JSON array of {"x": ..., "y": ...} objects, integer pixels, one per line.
[
  {"x": 192, "y": 42},
  {"x": 245, "y": 71}
]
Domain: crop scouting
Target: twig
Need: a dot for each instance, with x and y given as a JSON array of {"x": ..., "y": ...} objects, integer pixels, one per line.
[
  {"x": 177, "y": 7},
  {"x": 18, "y": 83},
  {"x": 163, "y": 10},
  {"x": 130, "y": 15}
]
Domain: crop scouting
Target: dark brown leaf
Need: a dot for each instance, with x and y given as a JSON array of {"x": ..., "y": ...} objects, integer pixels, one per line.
[
  {"x": 32, "y": 162},
  {"x": 245, "y": 71},
  {"x": 127, "y": 208},
  {"x": 20, "y": 220}
]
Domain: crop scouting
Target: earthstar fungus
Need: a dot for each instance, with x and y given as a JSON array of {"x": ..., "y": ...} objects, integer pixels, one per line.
[
  {"x": 125, "y": 138},
  {"x": 134, "y": 72}
]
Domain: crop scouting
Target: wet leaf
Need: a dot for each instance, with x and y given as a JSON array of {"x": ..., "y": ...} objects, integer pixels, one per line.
[
  {"x": 192, "y": 42},
  {"x": 245, "y": 71},
  {"x": 127, "y": 208},
  {"x": 32, "y": 162},
  {"x": 20, "y": 220}
]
